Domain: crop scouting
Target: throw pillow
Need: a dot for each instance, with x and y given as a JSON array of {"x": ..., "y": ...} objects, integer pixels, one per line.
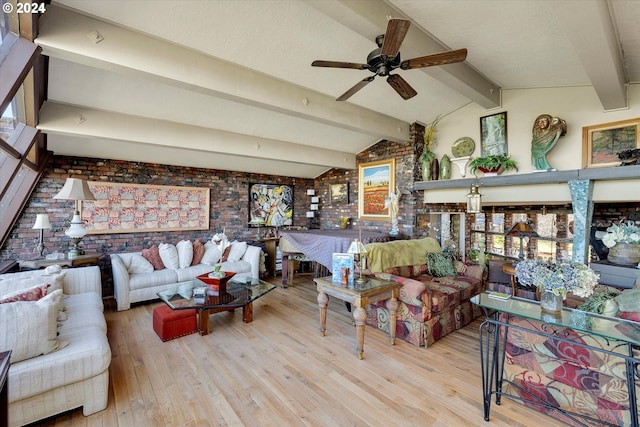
[
  {"x": 185, "y": 253},
  {"x": 138, "y": 264},
  {"x": 153, "y": 256},
  {"x": 169, "y": 255},
  {"x": 440, "y": 264},
  {"x": 236, "y": 251},
  {"x": 198, "y": 252},
  {"x": 29, "y": 328},
  {"x": 31, "y": 294},
  {"x": 225, "y": 254},
  {"x": 10, "y": 286},
  {"x": 211, "y": 254}
]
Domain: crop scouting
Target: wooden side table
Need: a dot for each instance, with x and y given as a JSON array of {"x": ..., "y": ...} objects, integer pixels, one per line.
[
  {"x": 79, "y": 261},
  {"x": 360, "y": 296}
]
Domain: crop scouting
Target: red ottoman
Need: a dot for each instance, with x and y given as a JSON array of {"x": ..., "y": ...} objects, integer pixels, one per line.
[{"x": 170, "y": 324}]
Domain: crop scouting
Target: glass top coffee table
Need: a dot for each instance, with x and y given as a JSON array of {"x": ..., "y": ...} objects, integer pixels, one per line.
[{"x": 209, "y": 301}]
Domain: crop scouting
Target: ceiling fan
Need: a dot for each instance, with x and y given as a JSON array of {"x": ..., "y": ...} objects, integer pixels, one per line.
[{"x": 386, "y": 58}]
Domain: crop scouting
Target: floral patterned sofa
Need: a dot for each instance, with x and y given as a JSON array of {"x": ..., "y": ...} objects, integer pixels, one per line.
[
  {"x": 567, "y": 376},
  {"x": 429, "y": 307}
]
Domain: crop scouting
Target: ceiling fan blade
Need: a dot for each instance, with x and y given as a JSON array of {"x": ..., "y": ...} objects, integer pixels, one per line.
[
  {"x": 396, "y": 30},
  {"x": 337, "y": 64},
  {"x": 362, "y": 83},
  {"x": 401, "y": 86},
  {"x": 443, "y": 58}
]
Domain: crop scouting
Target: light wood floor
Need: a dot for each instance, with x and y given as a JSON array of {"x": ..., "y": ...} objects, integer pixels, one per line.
[{"x": 279, "y": 371}]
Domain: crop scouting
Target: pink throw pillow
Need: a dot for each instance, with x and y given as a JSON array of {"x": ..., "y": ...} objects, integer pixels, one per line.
[
  {"x": 30, "y": 294},
  {"x": 153, "y": 256},
  {"x": 198, "y": 252}
]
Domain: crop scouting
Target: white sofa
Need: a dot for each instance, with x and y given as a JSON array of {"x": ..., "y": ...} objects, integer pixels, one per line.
[
  {"x": 131, "y": 286},
  {"x": 76, "y": 374}
]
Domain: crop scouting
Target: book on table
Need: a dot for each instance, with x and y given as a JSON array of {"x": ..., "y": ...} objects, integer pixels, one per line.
[{"x": 341, "y": 261}]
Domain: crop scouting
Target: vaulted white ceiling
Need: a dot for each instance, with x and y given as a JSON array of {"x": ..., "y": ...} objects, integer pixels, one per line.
[{"x": 229, "y": 84}]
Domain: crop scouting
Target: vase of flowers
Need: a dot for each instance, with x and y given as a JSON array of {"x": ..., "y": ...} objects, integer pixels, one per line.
[
  {"x": 555, "y": 279},
  {"x": 623, "y": 241}
]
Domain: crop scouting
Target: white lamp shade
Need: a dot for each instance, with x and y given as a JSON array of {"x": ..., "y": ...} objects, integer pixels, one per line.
[
  {"x": 356, "y": 247},
  {"x": 75, "y": 189},
  {"x": 42, "y": 222}
]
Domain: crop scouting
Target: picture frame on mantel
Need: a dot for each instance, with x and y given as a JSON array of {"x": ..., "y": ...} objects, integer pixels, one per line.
[
  {"x": 376, "y": 180},
  {"x": 602, "y": 143},
  {"x": 493, "y": 135}
]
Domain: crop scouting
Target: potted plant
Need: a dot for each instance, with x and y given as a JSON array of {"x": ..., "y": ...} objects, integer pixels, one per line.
[
  {"x": 492, "y": 164},
  {"x": 623, "y": 241},
  {"x": 429, "y": 142}
]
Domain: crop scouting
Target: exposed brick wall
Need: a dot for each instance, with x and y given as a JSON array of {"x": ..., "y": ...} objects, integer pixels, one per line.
[{"x": 228, "y": 209}]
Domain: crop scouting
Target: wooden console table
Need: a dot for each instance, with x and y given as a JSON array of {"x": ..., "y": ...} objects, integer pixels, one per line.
[{"x": 493, "y": 343}]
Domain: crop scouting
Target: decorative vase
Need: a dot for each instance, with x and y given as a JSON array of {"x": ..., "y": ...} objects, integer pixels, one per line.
[
  {"x": 426, "y": 170},
  {"x": 550, "y": 302},
  {"x": 344, "y": 222},
  {"x": 624, "y": 254},
  {"x": 445, "y": 167},
  {"x": 435, "y": 170}
]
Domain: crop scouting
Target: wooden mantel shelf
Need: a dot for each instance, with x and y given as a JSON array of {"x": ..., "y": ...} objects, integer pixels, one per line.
[{"x": 594, "y": 174}]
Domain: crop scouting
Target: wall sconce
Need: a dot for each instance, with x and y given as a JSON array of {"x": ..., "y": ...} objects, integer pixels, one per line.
[
  {"x": 78, "y": 190},
  {"x": 474, "y": 202},
  {"x": 42, "y": 223}
]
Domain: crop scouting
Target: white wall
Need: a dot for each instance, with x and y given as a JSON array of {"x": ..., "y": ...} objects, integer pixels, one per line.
[{"x": 578, "y": 106}]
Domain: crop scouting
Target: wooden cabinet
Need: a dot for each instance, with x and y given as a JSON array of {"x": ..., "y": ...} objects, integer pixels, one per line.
[{"x": 271, "y": 249}]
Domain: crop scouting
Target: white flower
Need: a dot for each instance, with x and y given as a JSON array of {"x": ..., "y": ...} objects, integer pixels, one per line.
[{"x": 622, "y": 233}]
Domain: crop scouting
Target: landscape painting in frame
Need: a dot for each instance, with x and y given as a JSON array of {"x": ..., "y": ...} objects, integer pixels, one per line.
[
  {"x": 375, "y": 181},
  {"x": 602, "y": 143},
  {"x": 339, "y": 193},
  {"x": 271, "y": 202}
]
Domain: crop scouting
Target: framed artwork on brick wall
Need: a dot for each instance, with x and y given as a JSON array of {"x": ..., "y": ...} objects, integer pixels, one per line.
[
  {"x": 375, "y": 182},
  {"x": 137, "y": 208},
  {"x": 339, "y": 193},
  {"x": 271, "y": 202}
]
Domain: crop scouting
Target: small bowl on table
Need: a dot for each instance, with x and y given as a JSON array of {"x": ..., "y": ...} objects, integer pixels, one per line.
[{"x": 217, "y": 283}]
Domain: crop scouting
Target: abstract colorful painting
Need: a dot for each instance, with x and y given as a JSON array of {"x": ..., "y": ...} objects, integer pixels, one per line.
[
  {"x": 135, "y": 208},
  {"x": 273, "y": 203}
]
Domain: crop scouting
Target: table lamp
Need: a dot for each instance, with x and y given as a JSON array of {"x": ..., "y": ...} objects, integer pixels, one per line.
[
  {"x": 42, "y": 223},
  {"x": 357, "y": 248},
  {"x": 521, "y": 229},
  {"x": 258, "y": 221},
  {"x": 78, "y": 190}
]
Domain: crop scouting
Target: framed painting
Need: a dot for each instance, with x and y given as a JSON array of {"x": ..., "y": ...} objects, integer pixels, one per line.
[
  {"x": 339, "y": 193},
  {"x": 136, "y": 208},
  {"x": 376, "y": 180},
  {"x": 273, "y": 203},
  {"x": 493, "y": 134},
  {"x": 602, "y": 143}
]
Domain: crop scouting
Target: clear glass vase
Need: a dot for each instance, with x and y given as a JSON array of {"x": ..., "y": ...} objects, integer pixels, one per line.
[{"x": 550, "y": 302}]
